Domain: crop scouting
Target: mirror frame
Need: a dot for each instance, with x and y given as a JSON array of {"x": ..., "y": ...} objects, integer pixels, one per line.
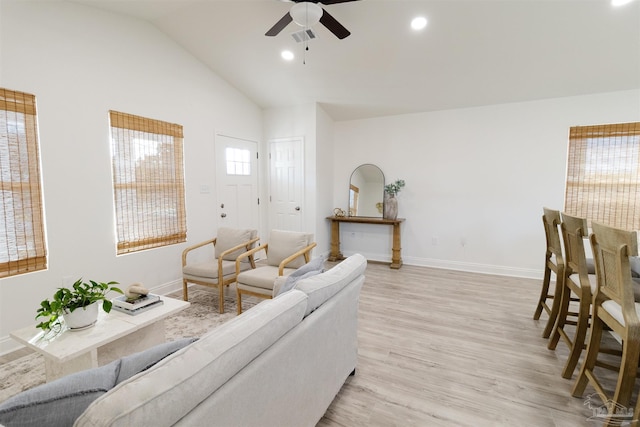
[{"x": 352, "y": 188}]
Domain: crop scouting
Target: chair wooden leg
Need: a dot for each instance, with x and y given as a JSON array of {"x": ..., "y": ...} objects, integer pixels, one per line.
[
  {"x": 590, "y": 358},
  {"x": 563, "y": 312},
  {"x": 221, "y": 297},
  {"x": 579, "y": 338},
  {"x": 555, "y": 307},
  {"x": 185, "y": 292},
  {"x": 239, "y": 301},
  {"x": 544, "y": 293},
  {"x": 627, "y": 374}
]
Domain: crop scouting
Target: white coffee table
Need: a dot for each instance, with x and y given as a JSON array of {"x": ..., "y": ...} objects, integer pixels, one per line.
[{"x": 114, "y": 335}]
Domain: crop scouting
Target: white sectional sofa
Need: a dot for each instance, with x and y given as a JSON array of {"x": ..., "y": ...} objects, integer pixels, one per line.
[{"x": 280, "y": 363}]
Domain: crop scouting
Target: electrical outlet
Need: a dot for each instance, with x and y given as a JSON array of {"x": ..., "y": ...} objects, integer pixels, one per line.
[
  {"x": 434, "y": 241},
  {"x": 463, "y": 241}
]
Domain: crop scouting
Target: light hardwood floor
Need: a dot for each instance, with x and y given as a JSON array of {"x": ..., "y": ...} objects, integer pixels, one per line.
[{"x": 448, "y": 348}]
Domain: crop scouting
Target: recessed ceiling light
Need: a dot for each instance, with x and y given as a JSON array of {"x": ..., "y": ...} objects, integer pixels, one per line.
[
  {"x": 419, "y": 23},
  {"x": 620, "y": 2},
  {"x": 287, "y": 55}
]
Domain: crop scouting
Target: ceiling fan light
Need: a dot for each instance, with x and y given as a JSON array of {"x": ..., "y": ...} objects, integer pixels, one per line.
[
  {"x": 306, "y": 14},
  {"x": 419, "y": 23},
  {"x": 620, "y": 2}
]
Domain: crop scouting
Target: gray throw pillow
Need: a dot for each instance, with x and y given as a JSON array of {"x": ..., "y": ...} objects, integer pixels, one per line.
[
  {"x": 59, "y": 402},
  {"x": 138, "y": 362},
  {"x": 313, "y": 267}
]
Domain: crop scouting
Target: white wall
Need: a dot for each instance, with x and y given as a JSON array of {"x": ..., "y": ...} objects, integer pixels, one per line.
[
  {"x": 81, "y": 62},
  {"x": 476, "y": 179}
]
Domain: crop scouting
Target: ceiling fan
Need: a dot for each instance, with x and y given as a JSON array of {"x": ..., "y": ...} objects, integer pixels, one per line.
[{"x": 308, "y": 13}]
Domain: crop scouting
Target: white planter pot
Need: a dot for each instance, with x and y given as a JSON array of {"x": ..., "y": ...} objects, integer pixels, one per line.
[{"x": 82, "y": 318}]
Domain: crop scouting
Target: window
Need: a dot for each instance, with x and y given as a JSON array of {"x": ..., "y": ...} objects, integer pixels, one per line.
[
  {"x": 148, "y": 181},
  {"x": 238, "y": 161},
  {"x": 603, "y": 174},
  {"x": 22, "y": 241}
]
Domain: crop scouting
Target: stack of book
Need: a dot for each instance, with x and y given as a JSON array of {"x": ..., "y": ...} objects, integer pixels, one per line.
[{"x": 136, "y": 306}]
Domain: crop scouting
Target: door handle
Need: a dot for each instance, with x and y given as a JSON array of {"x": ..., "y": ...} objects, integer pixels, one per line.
[
  {"x": 297, "y": 208},
  {"x": 223, "y": 215}
]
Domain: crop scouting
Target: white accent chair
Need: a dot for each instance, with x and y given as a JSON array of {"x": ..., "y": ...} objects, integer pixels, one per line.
[
  {"x": 220, "y": 271},
  {"x": 286, "y": 251}
]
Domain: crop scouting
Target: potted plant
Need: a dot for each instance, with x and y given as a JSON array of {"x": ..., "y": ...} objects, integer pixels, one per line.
[
  {"x": 390, "y": 201},
  {"x": 78, "y": 305}
]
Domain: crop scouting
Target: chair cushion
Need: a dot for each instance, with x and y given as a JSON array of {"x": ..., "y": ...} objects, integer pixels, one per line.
[
  {"x": 209, "y": 269},
  {"x": 262, "y": 277},
  {"x": 614, "y": 309},
  {"x": 283, "y": 244},
  {"x": 593, "y": 281},
  {"x": 313, "y": 267},
  {"x": 227, "y": 238}
]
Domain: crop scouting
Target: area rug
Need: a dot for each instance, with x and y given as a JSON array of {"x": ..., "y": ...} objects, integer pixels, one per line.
[{"x": 200, "y": 317}]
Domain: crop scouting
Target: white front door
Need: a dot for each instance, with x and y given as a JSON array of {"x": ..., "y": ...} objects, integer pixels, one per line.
[
  {"x": 286, "y": 184},
  {"x": 237, "y": 182}
]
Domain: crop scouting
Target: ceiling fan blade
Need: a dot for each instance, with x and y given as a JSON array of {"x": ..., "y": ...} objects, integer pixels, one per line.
[
  {"x": 333, "y": 1},
  {"x": 333, "y": 25},
  {"x": 283, "y": 22}
]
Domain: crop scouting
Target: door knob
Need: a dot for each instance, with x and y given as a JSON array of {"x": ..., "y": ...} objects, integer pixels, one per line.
[
  {"x": 223, "y": 215},
  {"x": 297, "y": 208}
]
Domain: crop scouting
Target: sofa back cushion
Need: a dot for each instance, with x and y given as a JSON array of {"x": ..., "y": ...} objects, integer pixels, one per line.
[
  {"x": 183, "y": 380},
  {"x": 321, "y": 287},
  {"x": 283, "y": 244}
]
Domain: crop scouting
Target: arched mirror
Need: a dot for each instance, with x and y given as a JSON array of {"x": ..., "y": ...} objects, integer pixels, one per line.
[{"x": 366, "y": 191}]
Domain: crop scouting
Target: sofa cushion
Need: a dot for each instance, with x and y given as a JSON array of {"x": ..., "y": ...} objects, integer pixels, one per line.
[
  {"x": 313, "y": 267},
  {"x": 183, "y": 380},
  {"x": 59, "y": 402},
  {"x": 283, "y": 244},
  {"x": 227, "y": 238},
  {"x": 323, "y": 286}
]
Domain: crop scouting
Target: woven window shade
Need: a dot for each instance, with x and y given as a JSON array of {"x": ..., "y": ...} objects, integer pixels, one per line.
[
  {"x": 22, "y": 241},
  {"x": 603, "y": 174},
  {"x": 148, "y": 180}
]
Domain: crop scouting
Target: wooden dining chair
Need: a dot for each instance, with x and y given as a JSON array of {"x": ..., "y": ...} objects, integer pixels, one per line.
[
  {"x": 553, "y": 264},
  {"x": 578, "y": 287},
  {"x": 614, "y": 307}
]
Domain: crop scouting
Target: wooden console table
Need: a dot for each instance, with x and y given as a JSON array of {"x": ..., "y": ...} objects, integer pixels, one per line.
[{"x": 335, "y": 255}]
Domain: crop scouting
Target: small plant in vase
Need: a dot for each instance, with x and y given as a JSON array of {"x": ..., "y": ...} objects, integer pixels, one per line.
[
  {"x": 78, "y": 299},
  {"x": 390, "y": 202}
]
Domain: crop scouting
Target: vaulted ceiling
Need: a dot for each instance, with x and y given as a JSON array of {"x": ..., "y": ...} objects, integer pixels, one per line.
[{"x": 472, "y": 52}]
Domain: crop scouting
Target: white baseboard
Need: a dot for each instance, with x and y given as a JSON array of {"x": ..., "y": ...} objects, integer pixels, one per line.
[{"x": 498, "y": 270}]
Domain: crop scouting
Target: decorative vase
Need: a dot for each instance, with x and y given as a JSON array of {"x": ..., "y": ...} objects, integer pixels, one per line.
[
  {"x": 82, "y": 318},
  {"x": 390, "y": 207}
]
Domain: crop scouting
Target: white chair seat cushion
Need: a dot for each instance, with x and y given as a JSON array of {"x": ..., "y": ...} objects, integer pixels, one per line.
[
  {"x": 614, "y": 309},
  {"x": 262, "y": 277},
  {"x": 593, "y": 281},
  {"x": 209, "y": 269},
  {"x": 282, "y": 244}
]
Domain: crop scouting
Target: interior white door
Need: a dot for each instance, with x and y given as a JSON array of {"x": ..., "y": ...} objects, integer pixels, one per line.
[
  {"x": 237, "y": 182},
  {"x": 286, "y": 158}
]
